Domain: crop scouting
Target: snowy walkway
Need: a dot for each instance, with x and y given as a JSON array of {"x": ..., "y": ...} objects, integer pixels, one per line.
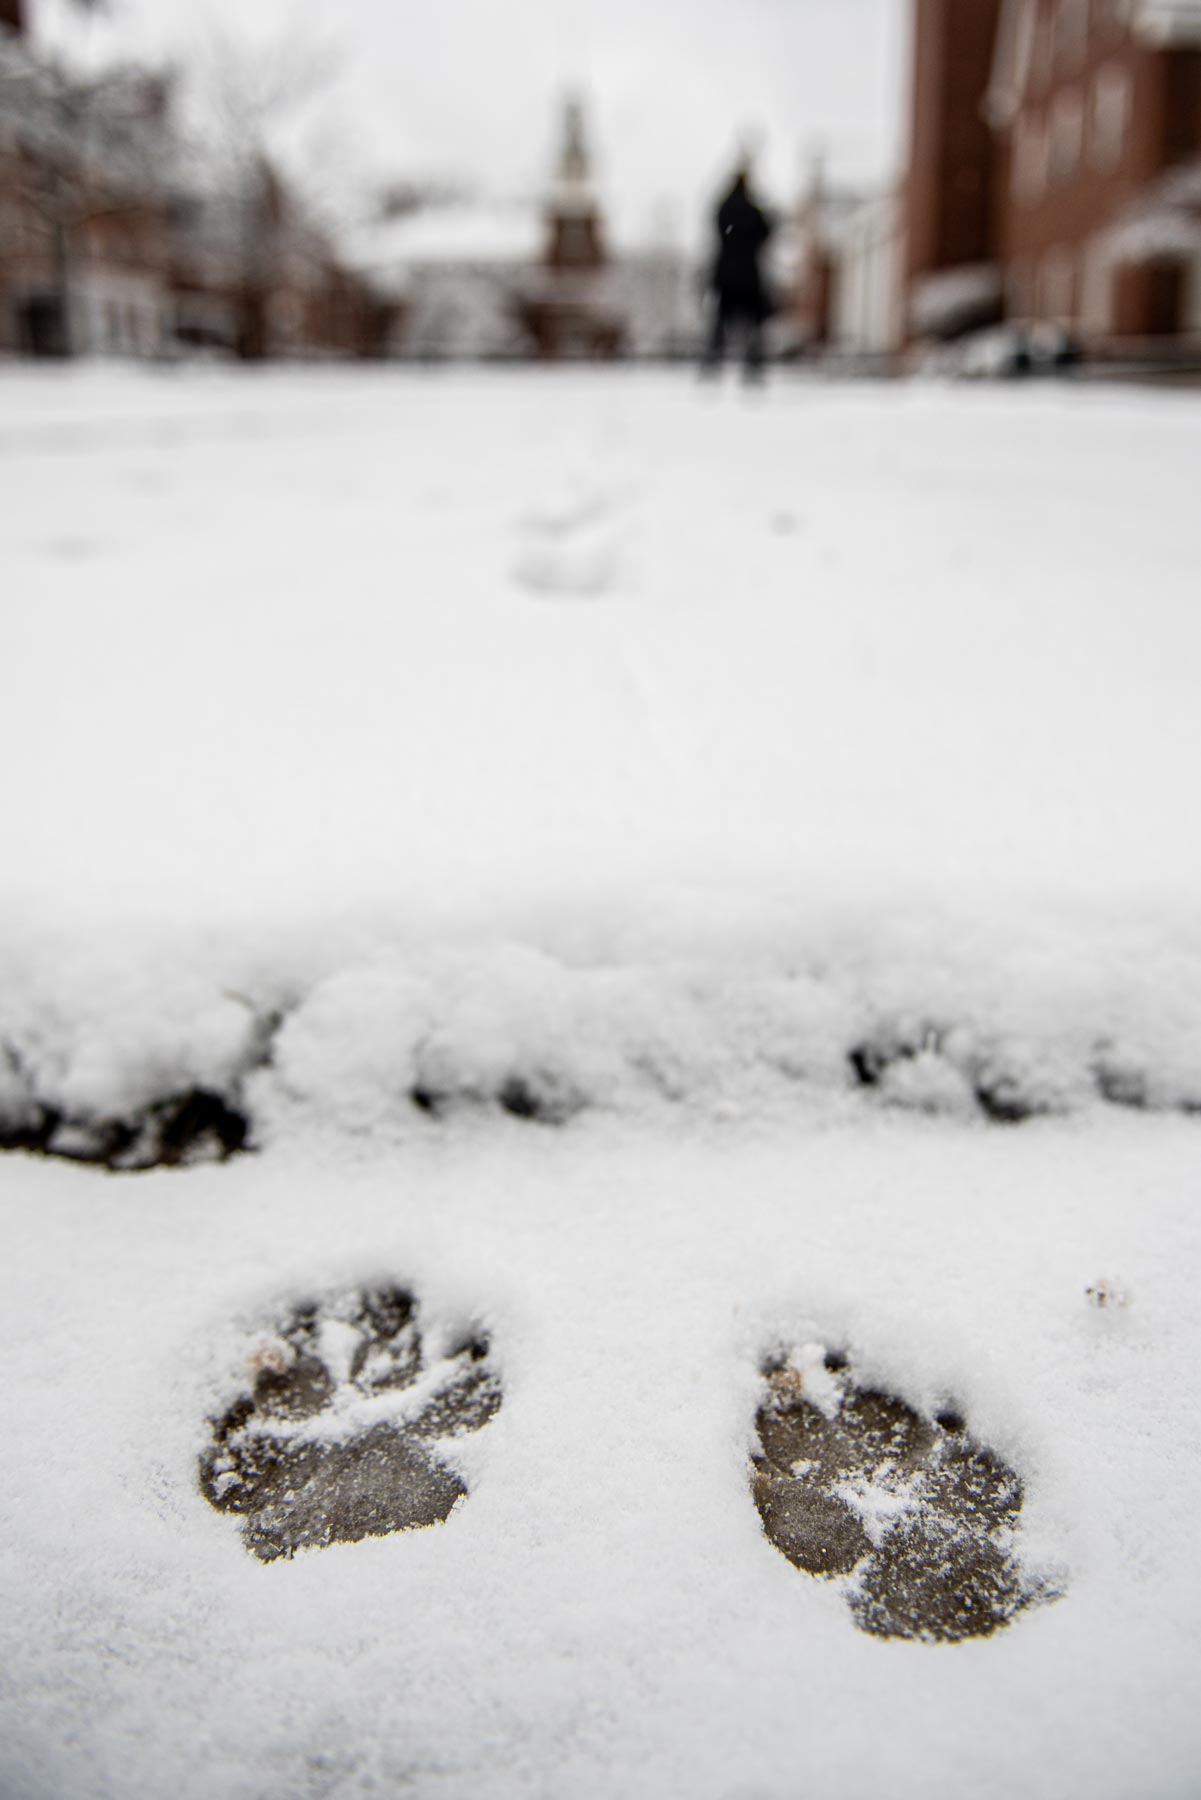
[{"x": 650, "y": 760}]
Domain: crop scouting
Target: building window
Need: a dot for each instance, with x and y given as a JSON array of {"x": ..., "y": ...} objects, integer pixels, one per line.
[
  {"x": 1044, "y": 42},
  {"x": 1030, "y": 160},
  {"x": 1067, "y": 136},
  {"x": 1023, "y": 49},
  {"x": 1056, "y": 281},
  {"x": 1071, "y": 32},
  {"x": 1019, "y": 285},
  {"x": 1112, "y": 15},
  {"x": 1096, "y": 284},
  {"x": 1110, "y": 116}
]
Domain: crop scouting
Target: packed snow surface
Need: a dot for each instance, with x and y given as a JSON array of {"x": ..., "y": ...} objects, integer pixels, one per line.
[
  {"x": 667, "y": 876},
  {"x": 273, "y": 642}
]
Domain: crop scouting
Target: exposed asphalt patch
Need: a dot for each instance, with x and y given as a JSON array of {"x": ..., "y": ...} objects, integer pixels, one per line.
[
  {"x": 182, "y": 1126},
  {"x": 337, "y": 1436},
  {"x": 916, "y": 1517},
  {"x": 197, "y": 1126}
]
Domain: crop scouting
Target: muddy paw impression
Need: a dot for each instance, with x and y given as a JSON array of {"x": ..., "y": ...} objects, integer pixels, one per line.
[
  {"x": 916, "y": 1516},
  {"x": 337, "y": 1436}
]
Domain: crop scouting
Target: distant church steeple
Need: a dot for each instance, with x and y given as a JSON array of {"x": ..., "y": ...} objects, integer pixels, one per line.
[{"x": 575, "y": 238}]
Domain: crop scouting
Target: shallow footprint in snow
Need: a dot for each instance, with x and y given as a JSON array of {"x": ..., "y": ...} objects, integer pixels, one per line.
[
  {"x": 336, "y": 1436},
  {"x": 915, "y": 1515},
  {"x": 569, "y": 547}
]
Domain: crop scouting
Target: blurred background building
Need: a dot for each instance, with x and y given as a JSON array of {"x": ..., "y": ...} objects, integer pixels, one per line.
[
  {"x": 1050, "y": 194},
  {"x": 542, "y": 279},
  {"x": 847, "y": 284},
  {"x": 1095, "y": 112},
  {"x": 116, "y": 238}
]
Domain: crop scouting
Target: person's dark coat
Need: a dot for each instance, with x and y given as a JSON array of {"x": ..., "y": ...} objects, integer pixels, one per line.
[{"x": 743, "y": 230}]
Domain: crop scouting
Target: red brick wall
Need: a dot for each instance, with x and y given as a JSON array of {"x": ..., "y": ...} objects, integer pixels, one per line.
[
  {"x": 949, "y": 200},
  {"x": 1071, "y": 210},
  {"x": 1075, "y": 208}
]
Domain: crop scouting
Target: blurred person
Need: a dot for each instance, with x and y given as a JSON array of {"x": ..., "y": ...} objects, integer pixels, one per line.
[{"x": 741, "y": 301}]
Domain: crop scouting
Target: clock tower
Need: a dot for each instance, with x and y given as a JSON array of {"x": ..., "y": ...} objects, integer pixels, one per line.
[{"x": 574, "y": 232}]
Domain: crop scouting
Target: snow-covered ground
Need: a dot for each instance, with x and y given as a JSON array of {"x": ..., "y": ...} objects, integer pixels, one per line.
[{"x": 650, "y": 759}]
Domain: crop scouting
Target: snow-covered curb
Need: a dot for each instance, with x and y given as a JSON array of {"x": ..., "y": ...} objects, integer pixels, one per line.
[{"x": 133, "y": 1054}]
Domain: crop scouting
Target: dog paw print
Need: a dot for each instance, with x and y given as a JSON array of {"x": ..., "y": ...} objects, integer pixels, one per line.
[
  {"x": 917, "y": 1519},
  {"x": 341, "y": 1431}
]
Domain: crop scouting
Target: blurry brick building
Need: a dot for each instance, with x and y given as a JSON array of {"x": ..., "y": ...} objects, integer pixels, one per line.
[
  {"x": 564, "y": 302},
  {"x": 815, "y": 271},
  {"x": 952, "y": 279},
  {"x": 846, "y": 273},
  {"x": 546, "y": 278},
  {"x": 251, "y": 274},
  {"x": 84, "y": 232},
  {"x": 1055, "y": 169},
  {"x": 112, "y": 243}
]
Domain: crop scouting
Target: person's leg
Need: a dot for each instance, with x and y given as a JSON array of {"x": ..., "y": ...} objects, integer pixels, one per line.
[
  {"x": 715, "y": 349},
  {"x": 753, "y": 348}
]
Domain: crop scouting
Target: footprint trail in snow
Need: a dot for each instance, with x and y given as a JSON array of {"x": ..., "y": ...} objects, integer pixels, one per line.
[{"x": 571, "y": 546}]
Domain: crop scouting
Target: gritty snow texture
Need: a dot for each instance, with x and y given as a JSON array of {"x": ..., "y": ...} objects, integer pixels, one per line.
[{"x": 673, "y": 880}]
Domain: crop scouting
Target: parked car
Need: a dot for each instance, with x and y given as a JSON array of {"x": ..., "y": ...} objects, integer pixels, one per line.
[{"x": 1008, "y": 352}]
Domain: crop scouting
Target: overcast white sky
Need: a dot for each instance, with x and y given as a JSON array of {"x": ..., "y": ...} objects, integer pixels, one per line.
[{"x": 471, "y": 88}]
